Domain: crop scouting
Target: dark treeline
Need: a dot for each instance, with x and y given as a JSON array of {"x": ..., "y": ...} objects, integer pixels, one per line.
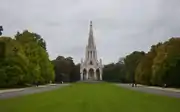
[
  {"x": 159, "y": 66},
  {"x": 24, "y": 60},
  {"x": 66, "y": 70}
]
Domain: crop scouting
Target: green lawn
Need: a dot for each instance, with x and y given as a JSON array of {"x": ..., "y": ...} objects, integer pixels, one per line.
[{"x": 83, "y": 97}]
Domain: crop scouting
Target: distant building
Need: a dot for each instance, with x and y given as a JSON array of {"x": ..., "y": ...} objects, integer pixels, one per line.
[{"x": 91, "y": 68}]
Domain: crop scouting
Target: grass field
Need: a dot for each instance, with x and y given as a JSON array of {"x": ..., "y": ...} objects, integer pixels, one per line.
[{"x": 83, "y": 97}]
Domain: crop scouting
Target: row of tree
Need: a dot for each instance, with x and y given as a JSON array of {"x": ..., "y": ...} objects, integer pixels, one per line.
[
  {"x": 24, "y": 60},
  {"x": 159, "y": 66}
]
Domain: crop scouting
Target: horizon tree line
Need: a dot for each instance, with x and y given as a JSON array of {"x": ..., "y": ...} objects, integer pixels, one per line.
[{"x": 24, "y": 60}]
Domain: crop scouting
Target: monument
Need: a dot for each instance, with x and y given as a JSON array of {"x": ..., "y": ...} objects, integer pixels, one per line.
[{"x": 91, "y": 68}]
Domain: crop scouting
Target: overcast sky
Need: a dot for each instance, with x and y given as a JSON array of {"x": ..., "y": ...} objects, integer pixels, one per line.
[{"x": 120, "y": 26}]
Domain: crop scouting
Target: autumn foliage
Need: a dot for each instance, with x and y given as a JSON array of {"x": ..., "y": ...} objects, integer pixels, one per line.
[{"x": 159, "y": 66}]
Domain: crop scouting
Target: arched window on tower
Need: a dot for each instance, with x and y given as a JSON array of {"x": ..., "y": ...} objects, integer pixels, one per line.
[
  {"x": 88, "y": 54},
  {"x": 91, "y": 54}
]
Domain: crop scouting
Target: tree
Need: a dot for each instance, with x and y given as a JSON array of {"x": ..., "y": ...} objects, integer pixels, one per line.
[
  {"x": 41, "y": 67},
  {"x": 161, "y": 65},
  {"x": 24, "y": 61},
  {"x": 75, "y": 73},
  {"x": 166, "y": 64},
  {"x": 114, "y": 72},
  {"x": 143, "y": 71},
  {"x": 13, "y": 65},
  {"x": 2, "y": 49},
  {"x": 65, "y": 69},
  {"x": 31, "y": 37},
  {"x": 131, "y": 61},
  {"x": 41, "y": 42}
]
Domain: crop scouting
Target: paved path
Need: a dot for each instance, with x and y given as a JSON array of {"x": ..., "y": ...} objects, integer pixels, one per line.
[
  {"x": 4, "y": 94},
  {"x": 154, "y": 90}
]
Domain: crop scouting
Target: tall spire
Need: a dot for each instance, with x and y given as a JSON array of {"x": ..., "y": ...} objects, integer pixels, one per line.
[{"x": 91, "y": 37}]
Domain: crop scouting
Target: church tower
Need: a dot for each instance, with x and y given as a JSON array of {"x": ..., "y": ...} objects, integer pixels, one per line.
[{"x": 91, "y": 68}]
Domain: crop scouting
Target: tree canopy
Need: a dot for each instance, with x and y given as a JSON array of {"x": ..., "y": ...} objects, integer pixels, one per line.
[
  {"x": 159, "y": 66},
  {"x": 66, "y": 70},
  {"x": 24, "y": 60}
]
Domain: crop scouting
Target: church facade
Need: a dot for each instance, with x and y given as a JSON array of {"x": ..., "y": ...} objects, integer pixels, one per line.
[{"x": 91, "y": 67}]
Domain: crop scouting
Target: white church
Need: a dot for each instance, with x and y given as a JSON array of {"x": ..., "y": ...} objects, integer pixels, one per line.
[{"x": 91, "y": 68}]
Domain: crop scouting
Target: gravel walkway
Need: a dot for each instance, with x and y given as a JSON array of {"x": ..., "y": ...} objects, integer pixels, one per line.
[
  {"x": 154, "y": 90},
  {"x": 4, "y": 94}
]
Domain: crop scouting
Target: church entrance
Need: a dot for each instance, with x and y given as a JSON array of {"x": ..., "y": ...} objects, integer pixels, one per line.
[
  {"x": 98, "y": 74},
  {"x": 84, "y": 74},
  {"x": 91, "y": 74}
]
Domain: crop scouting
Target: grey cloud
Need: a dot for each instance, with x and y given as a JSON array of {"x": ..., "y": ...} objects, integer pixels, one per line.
[{"x": 120, "y": 26}]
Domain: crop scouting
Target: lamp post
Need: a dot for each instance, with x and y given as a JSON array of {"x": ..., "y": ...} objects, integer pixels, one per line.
[{"x": 1, "y": 29}]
